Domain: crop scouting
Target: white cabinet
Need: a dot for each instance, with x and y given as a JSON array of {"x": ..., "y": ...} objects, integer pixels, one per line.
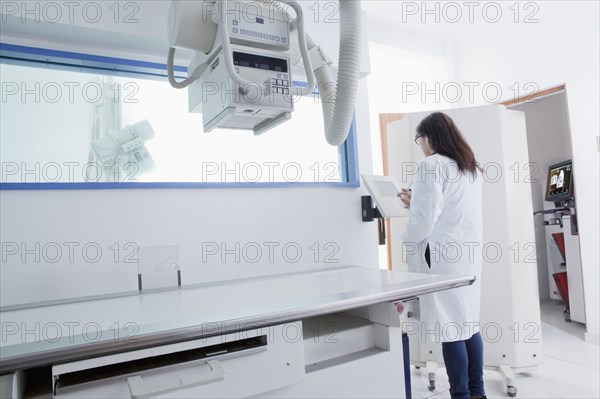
[{"x": 242, "y": 364}]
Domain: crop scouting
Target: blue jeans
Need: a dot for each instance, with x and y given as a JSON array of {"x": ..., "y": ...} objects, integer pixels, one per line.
[{"x": 464, "y": 365}]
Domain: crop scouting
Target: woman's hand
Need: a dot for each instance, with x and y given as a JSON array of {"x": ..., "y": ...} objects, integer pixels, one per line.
[
  {"x": 405, "y": 196},
  {"x": 399, "y": 307}
]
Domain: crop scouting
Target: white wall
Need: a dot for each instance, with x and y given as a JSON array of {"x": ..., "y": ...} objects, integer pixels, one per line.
[
  {"x": 399, "y": 66},
  {"x": 191, "y": 219},
  {"x": 561, "y": 48},
  {"x": 187, "y": 218}
]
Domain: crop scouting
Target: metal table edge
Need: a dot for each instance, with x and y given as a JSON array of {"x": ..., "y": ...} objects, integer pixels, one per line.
[{"x": 105, "y": 348}]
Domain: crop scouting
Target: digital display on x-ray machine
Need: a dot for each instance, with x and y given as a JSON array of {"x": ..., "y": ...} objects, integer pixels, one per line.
[{"x": 559, "y": 182}]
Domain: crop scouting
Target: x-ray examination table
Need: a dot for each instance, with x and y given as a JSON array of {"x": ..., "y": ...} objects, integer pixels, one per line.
[{"x": 322, "y": 332}]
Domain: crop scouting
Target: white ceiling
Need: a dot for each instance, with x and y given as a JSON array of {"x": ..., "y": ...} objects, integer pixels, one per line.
[
  {"x": 384, "y": 21},
  {"x": 544, "y": 16}
]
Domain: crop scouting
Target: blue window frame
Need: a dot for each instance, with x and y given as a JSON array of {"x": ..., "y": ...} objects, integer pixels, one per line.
[{"x": 62, "y": 60}]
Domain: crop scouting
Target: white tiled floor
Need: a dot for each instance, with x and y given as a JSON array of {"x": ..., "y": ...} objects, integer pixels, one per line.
[{"x": 569, "y": 370}]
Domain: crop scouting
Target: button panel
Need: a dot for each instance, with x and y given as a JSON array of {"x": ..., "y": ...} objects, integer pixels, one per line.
[
  {"x": 280, "y": 86},
  {"x": 258, "y": 35}
]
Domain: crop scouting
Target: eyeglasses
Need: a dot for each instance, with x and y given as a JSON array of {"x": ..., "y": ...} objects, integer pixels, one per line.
[{"x": 418, "y": 140}]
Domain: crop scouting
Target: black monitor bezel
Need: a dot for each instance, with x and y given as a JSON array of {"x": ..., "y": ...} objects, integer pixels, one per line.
[{"x": 562, "y": 196}]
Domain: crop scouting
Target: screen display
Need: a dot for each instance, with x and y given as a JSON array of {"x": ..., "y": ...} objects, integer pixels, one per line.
[
  {"x": 386, "y": 188},
  {"x": 559, "y": 181},
  {"x": 260, "y": 62}
]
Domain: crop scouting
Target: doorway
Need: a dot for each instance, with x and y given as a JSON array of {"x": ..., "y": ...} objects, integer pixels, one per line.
[{"x": 549, "y": 143}]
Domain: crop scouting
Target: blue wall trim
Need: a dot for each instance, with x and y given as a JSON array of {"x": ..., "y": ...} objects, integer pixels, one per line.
[
  {"x": 80, "y": 59},
  {"x": 183, "y": 185}
]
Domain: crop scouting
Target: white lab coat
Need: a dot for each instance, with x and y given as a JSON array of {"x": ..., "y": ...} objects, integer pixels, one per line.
[{"x": 446, "y": 212}]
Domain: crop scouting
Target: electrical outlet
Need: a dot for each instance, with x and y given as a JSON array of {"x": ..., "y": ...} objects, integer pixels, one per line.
[{"x": 158, "y": 267}]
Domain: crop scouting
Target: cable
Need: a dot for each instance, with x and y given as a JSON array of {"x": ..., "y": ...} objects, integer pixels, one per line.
[
  {"x": 184, "y": 83},
  {"x": 338, "y": 98}
]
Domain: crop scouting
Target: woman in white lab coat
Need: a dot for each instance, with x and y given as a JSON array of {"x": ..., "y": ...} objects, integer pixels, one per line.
[{"x": 443, "y": 236}]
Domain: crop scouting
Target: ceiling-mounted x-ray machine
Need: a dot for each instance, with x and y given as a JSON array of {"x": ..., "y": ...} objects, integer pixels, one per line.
[{"x": 241, "y": 75}]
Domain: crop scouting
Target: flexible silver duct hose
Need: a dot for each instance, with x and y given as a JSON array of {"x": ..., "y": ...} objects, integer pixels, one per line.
[
  {"x": 336, "y": 131},
  {"x": 338, "y": 98},
  {"x": 327, "y": 94}
]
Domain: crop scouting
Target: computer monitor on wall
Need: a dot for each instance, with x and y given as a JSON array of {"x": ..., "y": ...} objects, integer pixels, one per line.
[{"x": 559, "y": 186}]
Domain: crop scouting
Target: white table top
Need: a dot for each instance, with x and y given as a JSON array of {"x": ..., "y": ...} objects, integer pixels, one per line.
[{"x": 68, "y": 331}]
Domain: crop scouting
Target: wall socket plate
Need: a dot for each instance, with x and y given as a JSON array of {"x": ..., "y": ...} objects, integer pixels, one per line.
[{"x": 158, "y": 267}]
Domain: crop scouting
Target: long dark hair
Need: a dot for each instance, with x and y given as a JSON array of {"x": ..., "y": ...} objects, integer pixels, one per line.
[{"x": 445, "y": 139}]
